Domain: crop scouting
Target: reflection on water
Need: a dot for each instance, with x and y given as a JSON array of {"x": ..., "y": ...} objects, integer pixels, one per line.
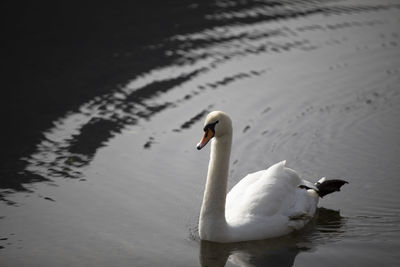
[
  {"x": 278, "y": 251},
  {"x": 274, "y": 252}
]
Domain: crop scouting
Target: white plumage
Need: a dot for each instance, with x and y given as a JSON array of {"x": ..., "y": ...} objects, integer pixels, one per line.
[
  {"x": 269, "y": 203},
  {"x": 264, "y": 204}
]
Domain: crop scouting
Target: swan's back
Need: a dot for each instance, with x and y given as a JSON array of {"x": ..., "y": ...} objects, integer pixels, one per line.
[{"x": 264, "y": 201}]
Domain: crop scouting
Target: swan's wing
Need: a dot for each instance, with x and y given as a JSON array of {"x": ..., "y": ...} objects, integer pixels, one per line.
[{"x": 263, "y": 194}]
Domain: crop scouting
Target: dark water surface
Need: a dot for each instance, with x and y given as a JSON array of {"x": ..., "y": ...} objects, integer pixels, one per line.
[{"x": 104, "y": 106}]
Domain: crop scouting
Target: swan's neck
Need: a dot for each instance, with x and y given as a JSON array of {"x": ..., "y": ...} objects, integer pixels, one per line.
[{"x": 212, "y": 224}]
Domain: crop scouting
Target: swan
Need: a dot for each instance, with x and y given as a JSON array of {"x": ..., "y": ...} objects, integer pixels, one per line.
[{"x": 264, "y": 204}]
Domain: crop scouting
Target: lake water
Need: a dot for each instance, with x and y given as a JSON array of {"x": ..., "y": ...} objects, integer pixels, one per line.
[{"x": 117, "y": 180}]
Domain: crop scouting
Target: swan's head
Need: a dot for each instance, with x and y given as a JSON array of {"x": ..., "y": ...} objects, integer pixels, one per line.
[{"x": 217, "y": 124}]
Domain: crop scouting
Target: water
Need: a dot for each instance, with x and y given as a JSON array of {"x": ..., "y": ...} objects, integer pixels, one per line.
[{"x": 116, "y": 179}]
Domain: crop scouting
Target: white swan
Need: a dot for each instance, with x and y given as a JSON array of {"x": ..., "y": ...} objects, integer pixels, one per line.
[{"x": 264, "y": 204}]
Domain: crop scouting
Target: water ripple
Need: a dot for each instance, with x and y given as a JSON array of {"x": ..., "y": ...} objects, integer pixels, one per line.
[{"x": 241, "y": 31}]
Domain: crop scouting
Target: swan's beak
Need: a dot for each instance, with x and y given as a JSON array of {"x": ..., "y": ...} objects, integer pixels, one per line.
[{"x": 208, "y": 134}]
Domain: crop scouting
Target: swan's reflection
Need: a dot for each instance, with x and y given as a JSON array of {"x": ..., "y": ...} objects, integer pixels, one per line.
[{"x": 280, "y": 251}]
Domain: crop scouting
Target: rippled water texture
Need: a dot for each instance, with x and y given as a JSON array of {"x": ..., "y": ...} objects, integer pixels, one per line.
[{"x": 118, "y": 181}]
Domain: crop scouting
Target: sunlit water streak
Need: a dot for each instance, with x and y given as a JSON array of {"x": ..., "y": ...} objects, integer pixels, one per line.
[{"x": 208, "y": 51}]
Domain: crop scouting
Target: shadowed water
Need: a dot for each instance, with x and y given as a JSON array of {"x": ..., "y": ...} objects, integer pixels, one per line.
[{"x": 116, "y": 180}]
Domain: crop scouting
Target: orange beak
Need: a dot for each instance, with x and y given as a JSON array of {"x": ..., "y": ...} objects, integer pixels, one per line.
[{"x": 208, "y": 134}]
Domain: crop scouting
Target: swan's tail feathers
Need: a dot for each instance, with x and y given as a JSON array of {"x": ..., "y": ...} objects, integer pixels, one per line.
[{"x": 326, "y": 187}]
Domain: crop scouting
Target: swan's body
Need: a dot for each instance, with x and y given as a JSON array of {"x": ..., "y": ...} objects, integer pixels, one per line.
[{"x": 264, "y": 204}]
